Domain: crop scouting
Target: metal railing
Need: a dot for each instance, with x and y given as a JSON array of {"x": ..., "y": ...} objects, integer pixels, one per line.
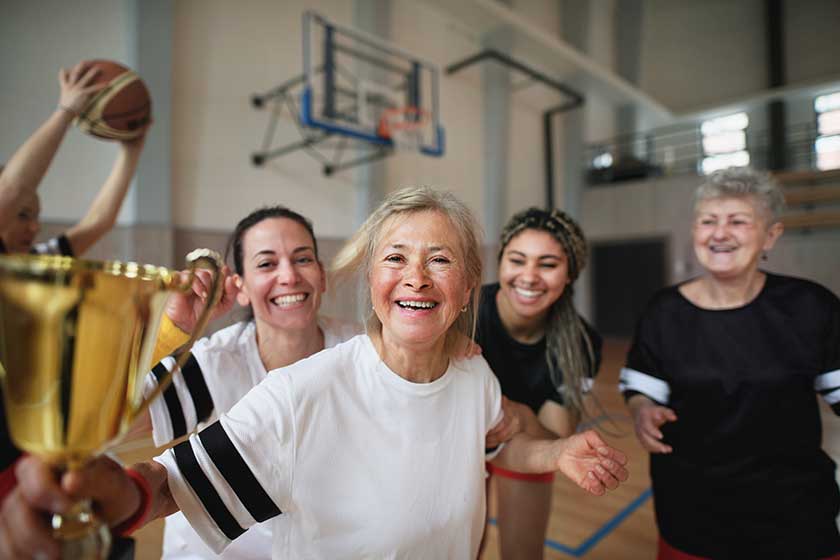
[{"x": 678, "y": 149}]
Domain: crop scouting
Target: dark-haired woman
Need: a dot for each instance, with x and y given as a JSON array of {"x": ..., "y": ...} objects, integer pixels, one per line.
[
  {"x": 279, "y": 275},
  {"x": 542, "y": 351}
]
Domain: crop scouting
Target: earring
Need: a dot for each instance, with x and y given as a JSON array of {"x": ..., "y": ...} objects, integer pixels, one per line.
[
  {"x": 764, "y": 256},
  {"x": 464, "y": 309}
]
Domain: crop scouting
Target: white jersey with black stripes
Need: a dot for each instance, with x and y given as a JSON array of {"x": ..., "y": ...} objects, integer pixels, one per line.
[
  {"x": 221, "y": 370},
  {"x": 362, "y": 463}
]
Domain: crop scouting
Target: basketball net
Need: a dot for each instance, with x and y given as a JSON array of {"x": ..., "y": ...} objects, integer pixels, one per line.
[{"x": 404, "y": 127}]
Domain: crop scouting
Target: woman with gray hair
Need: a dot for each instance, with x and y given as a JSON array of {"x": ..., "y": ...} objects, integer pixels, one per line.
[
  {"x": 721, "y": 381},
  {"x": 374, "y": 448}
]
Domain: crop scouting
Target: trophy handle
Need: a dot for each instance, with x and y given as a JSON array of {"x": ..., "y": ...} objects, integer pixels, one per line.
[{"x": 199, "y": 258}]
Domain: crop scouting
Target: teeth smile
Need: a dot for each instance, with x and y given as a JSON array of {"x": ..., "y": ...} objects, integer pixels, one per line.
[
  {"x": 718, "y": 249},
  {"x": 527, "y": 293},
  {"x": 288, "y": 300},
  {"x": 417, "y": 304}
]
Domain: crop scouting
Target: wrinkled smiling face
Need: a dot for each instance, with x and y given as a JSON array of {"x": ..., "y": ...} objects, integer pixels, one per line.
[
  {"x": 19, "y": 235},
  {"x": 282, "y": 280},
  {"x": 730, "y": 234},
  {"x": 533, "y": 273},
  {"x": 417, "y": 280}
]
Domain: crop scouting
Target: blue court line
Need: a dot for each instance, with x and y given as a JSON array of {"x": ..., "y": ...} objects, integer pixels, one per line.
[{"x": 601, "y": 533}]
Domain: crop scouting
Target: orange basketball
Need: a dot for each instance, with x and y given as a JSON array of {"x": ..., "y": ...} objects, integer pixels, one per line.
[{"x": 120, "y": 110}]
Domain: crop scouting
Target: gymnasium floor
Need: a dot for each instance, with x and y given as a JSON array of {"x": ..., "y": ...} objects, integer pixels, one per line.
[{"x": 617, "y": 526}]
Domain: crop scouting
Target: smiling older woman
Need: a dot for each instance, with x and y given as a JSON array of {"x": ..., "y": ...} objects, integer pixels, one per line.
[
  {"x": 374, "y": 448},
  {"x": 721, "y": 380}
]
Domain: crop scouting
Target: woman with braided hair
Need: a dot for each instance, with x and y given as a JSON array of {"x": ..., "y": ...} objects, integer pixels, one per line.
[{"x": 544, "y": 354}]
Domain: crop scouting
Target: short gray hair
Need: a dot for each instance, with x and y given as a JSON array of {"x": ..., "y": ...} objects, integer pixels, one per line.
[
  {"x": 357, "y": 253},
  {"x": 744, "y": 182}
]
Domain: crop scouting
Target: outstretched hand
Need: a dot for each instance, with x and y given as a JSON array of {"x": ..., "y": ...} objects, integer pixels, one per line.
[
  {"x": 590, "y": 463},
  {"x": 184, "y": 309},
  {"x": 77, "y": 87},
  {"x": 648, "y": 418}
]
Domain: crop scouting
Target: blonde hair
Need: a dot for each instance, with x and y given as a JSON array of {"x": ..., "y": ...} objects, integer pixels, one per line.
[{"x": 356, "y": 255}]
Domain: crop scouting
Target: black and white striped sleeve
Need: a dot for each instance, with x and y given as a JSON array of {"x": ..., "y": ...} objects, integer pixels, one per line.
[
  {"x": 55, "y": 246},
  {"x": 185, "y": 403},
  {"x": 237, "y": 471},
  {"x": 827, "y": 383},
  {"x": 642, "y": 373},
  {"x": 632, "y": 381}
]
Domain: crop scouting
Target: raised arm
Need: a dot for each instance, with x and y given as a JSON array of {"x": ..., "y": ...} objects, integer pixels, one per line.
[
  {"x": 25, "y": 169},
  {"x": 102, "y": 214}
]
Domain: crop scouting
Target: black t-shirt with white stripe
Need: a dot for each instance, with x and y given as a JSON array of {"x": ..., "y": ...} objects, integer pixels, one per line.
[
  {"x": 54, "y": 246},
  {"x": 8, "y": 452},
  {"x": 747, "y": 477},
  {"x": 522, "y": 369}
]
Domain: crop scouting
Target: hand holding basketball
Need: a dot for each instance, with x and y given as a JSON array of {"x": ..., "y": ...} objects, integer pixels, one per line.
[
  {"x": 77, "y": 86},
  {"x": 121, "y": 108}
]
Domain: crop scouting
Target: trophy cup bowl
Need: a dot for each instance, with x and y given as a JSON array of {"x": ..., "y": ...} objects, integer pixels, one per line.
[{"x": 76, "y": 341}]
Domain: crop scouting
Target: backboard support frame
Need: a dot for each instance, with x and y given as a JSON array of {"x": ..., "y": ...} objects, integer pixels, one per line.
[{"x": 331, "y": 101}]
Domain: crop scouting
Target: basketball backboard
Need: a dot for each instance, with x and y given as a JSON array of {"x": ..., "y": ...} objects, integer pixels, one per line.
[{"x": 359, "y": 86}]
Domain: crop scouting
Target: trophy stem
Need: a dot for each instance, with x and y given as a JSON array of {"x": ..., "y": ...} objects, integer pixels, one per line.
[{"x": 82, "y": 534}]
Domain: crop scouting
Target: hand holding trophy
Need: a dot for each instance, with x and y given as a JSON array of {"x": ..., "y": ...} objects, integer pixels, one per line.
[{"x": 76, "y": 341}]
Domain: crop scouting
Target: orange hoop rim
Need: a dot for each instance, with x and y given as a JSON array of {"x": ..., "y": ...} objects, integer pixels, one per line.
[{"x": 389, "y": 122}]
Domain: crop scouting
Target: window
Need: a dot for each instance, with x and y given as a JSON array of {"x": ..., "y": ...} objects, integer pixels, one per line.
[
  {"x": 724, "y": 143},
  {"x": 602, "y": 161},
  {"x": 827, "y": 143}
]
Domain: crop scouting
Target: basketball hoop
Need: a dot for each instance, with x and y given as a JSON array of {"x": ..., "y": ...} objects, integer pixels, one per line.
[{"x": 404, "y": 127}]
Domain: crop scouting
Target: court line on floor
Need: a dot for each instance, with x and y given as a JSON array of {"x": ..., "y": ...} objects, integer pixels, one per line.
[{"x": 602, "y": 532}]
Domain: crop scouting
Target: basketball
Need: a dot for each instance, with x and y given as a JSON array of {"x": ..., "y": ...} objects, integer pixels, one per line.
[{"x": 122, "y": 109}]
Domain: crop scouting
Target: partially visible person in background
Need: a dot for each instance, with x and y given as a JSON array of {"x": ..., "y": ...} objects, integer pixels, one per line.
[
  {"x": 543, "y": 353},
  {"x": 721, "y": 381},
  {"x": 20, "y": 205}
]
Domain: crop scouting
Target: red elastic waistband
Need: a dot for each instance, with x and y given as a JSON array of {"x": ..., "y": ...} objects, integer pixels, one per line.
[
  {"x": 668, "y": 552},
  {"x": 538, "y": 477}
]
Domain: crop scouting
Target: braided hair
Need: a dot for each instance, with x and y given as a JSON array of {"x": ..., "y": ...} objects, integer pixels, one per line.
[{"x": 569, "y": 350}]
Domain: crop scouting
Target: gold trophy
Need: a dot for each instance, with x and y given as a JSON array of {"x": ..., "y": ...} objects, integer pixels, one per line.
[{"x": 76, "y": 342}]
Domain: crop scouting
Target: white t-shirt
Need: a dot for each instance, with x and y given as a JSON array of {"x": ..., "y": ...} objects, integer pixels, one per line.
[
  {"x": 225, "y": 366},
  {"x": 361, "y": 462}
]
